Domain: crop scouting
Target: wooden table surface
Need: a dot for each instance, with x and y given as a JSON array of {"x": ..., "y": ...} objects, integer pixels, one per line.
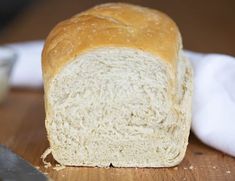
[
  {"x": 22, "y": 130},
  {"x": 206, "y": 26}
]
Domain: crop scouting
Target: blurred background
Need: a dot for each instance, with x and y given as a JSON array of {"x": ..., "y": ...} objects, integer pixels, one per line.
[{"x": 206, "y": 25}]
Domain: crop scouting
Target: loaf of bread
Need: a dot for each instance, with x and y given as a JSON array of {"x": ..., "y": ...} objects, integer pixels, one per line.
[{"x": 118, "y": 89}]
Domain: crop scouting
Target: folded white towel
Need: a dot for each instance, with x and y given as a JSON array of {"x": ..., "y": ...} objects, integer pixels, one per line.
[
  {"x": 213, "y": 97},
  {"x": 27, "y": 70},
  {"x": 214, "y": 100}
]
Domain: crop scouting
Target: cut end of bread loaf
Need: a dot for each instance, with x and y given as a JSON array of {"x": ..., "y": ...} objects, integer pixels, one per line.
[
  {"x": 119, "y": 106},
  {"x": 117, "y": 89}
]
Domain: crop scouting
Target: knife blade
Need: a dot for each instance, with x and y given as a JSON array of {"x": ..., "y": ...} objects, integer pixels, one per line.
[{"x": 13, "y": 167}]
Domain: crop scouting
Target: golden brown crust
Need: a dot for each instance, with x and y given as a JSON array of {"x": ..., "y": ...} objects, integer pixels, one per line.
[{"x": 111, "y": 25}]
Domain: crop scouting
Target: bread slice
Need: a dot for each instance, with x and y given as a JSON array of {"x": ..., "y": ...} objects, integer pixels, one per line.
[{"x": 120, "y": 96}]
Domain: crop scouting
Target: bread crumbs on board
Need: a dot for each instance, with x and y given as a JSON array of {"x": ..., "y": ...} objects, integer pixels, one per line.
[
  {"x": 59, "y": 167},
  {"x": 43, "y": 157},
  {"x": 191, "y": 167}
]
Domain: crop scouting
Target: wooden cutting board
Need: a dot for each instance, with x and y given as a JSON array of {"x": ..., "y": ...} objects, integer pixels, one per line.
[{"x": 22, "y": 130}]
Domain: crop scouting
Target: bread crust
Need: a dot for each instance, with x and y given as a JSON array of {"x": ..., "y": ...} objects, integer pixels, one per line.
[{"x": 111, "y": 25}]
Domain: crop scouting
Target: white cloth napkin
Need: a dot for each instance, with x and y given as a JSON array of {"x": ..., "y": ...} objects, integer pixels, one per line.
[
  {"x": 213, "y": 97},
  {"x": 214, "y": 100},
  {"x": 27, "y": 70}
]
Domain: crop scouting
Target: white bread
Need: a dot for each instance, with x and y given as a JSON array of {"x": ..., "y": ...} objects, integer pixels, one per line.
[{"x": 117, "y": 89}]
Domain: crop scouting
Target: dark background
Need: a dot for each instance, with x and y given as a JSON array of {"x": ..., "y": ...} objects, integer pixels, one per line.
[{"x": 206, "y": 25}]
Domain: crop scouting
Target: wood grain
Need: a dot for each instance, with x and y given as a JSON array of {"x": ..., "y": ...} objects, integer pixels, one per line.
[{"x": 22, "y": 130}]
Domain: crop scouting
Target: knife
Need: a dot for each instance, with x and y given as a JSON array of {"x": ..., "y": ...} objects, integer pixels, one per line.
[{"x": 14, "y": 168}]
